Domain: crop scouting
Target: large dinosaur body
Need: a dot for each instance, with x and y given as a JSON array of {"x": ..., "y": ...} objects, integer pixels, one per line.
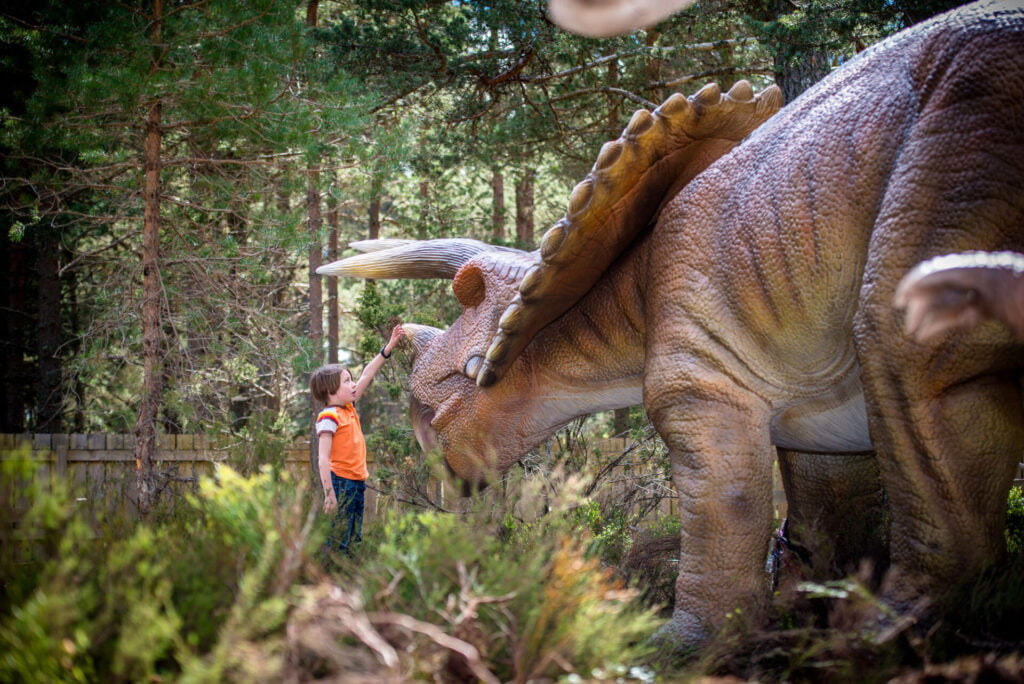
[{"x": 758, "y": 311}]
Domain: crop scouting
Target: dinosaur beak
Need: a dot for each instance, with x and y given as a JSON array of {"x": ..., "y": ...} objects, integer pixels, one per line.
[
  {"x": 426, "y": 436},
  {"x": 421, "y": 415}
]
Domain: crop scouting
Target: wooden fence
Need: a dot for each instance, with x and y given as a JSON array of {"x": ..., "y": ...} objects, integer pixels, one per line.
[
  {"x": 102, "y": 466},
  {"x": 85, "y": 457}
]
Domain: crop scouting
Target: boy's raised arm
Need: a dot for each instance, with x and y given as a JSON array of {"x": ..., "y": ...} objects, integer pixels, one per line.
[{"x": 371, "y": 368}]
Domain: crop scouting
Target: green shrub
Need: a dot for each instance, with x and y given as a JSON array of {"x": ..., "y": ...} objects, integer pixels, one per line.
[
  {"x": 191, "y": 596},
  {"x": 1015, "y": 521},
  {"x": 531, "y": 601}
]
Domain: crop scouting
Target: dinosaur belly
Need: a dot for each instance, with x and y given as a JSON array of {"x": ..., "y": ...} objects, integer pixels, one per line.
[{"x": 829, "y": 423}]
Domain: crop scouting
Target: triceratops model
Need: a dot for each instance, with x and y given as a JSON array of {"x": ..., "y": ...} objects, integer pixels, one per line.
[{"x": 744, "y": 293}]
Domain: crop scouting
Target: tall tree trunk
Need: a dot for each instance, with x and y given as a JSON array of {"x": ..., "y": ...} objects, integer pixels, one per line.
[
  {"x": 74, "y": 324},
  {"x": 615, "y": 122},
  {"x": 498, "y": 204},
  {"x": 794, "y": 77},
  {"x": 152, "y": 352},
  {"x": 49, "y": 395},
  {"x": 14, "y": 322},
  {"x": 316, "y": 303},
  {"x": 423, "y": 225},
  {"x": 376, "y": 196},
  {"x": 332, "y": 282},
  {"x": 524, "y": 208}
]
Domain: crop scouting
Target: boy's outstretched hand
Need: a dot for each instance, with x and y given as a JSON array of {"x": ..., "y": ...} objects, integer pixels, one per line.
[{"x": 396, "y": 335}]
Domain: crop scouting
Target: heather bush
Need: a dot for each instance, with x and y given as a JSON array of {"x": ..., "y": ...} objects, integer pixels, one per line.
[
  {"x": 531, "y": 580},
  {"x": 526, "y": 595},
  {"x": 137, "y": 601}
]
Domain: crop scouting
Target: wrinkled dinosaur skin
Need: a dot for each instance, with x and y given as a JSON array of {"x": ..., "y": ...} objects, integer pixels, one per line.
[
  {"x": 758, "y": 311},
  {"x": 773, "y": 319},
  {"x": 957, "y": 292}
]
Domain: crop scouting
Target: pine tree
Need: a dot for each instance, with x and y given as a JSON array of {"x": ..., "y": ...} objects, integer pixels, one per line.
[{"x": 175, "y": 135}]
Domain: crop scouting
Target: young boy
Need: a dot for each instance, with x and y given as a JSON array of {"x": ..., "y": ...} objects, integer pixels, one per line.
[{"x": 342, "y": 449}]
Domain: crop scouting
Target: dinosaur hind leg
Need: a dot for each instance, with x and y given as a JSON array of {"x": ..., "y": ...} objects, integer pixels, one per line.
[
  {"x": 835, "y": 511},
  {"x": 949, "y": 431}
]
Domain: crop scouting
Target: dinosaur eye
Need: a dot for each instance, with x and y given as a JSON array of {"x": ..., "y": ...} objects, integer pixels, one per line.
[{"x": 473, "y": 366}]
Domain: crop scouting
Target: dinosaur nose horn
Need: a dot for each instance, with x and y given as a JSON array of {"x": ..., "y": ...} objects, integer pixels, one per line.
[{"x": 420, "y": 335}]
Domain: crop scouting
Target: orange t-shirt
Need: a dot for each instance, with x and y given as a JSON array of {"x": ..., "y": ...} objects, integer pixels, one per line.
[{"x": 348, "y": 448}]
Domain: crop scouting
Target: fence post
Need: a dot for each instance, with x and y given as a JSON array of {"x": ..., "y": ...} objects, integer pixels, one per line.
[{"x": 60, "y": 449}]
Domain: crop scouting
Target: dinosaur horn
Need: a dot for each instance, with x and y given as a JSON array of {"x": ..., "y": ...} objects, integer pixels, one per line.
[
  {"x": 420, "y": 335},
  {"x": 378, "y": 244},
  {"x": 390, "y": 259}
]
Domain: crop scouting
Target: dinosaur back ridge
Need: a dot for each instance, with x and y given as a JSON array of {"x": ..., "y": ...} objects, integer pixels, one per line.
[{"x": 633, "y": 177}]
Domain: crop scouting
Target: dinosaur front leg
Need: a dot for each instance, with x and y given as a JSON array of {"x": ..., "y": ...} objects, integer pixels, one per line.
[{"x": 717, "y": 436}]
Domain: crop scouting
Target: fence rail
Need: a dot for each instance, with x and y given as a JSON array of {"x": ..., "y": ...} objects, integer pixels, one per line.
[
  {"x": 104, "y": 464},
  {"x": 117, "y": 447}
]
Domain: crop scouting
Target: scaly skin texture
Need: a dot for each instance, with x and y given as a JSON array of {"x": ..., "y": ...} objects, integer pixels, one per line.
[{"x": 759, "y": 312}]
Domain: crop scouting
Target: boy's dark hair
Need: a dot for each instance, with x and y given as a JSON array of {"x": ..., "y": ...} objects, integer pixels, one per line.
[{"x": 326, "y": 380}]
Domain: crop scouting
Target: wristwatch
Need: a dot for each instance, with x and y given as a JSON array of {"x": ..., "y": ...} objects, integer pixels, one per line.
[{"x": 386, "y": 356}]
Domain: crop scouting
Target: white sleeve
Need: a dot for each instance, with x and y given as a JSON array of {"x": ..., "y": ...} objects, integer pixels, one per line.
[{"x": 326, "y": 424}]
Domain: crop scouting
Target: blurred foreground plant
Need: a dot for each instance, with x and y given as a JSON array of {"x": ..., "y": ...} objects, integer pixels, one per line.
[
  {"x": 531, "y": 604},
  {"x": 1015, "y": 521},
  {"x": 226, "y": 589},
  {"x": 183, "y": 597}
]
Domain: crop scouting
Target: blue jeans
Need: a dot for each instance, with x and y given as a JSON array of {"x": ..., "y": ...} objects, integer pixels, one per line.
[{"x": 347, "y": 526}]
